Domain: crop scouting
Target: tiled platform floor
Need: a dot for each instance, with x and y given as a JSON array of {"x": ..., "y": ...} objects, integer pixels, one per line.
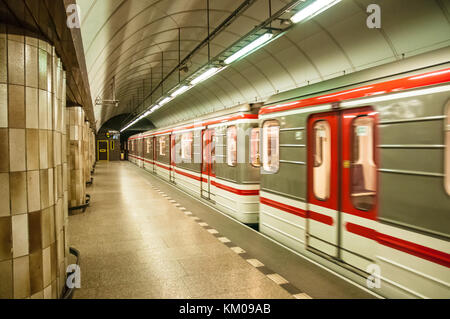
[{"x": 135, "y": 244}]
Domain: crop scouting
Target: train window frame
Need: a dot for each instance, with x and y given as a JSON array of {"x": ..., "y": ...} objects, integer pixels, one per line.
[
  {"x": 264, "y": 154},
  {"x": 358, "y": 154},
  {"x": 255, "y": 157},
  {"x": 447, "y": 148},
  {"x": 183, "y": 141},
  {"x": 233, "y": 162},
  {"x": 148, "y": 142},
  {"x": 112, "y": 145},
  {"x": 162, "y": 146},
  {"x": 322, "y": 162}
]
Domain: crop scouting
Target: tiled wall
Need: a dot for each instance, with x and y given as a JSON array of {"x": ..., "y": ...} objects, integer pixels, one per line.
[
  {"x": 77, "y": 163},
  {"x": 87, "y": 151},
  {"x": 33, "y": 216}
]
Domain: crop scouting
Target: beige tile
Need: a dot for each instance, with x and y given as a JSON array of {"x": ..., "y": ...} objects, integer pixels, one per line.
[
  {"x": 46, "y": 227},
  {"x": 50, "y": 151},
  {"x": 4, "y": 150},
  {"x": 16, "y": 150},
  {"x": 20, "y": 235},
  {"x": 3, "y": 60},
  {"x": 43, "y": 152},
  {"x": 18, "y": 190},
  {"x": 44, "y": 188},
  {"x": 43, "y": 110},
  {"x": 4, "y": 195},
  {"x": 48, "y": 292},
  {"x": 3, "y": 105},
  {"x": 36, "y": 272},
  {"x": 46, "y": 266},
  {"x": 35, "y": 231},
  {"x": 32, "y": 140},
  {"x": 43, "y": 56},
  {"x": 16, "y": 106},
  {"x": 33, "y": 189},
  {"x": 5, "y": 238},
  {"x": 16, "y": 58},
  {"x": 31, "y": 66},
  {"x": 32, "y": 108},
  {"x": 6, "y": 279},
  {"x": 21, "y": 270}
]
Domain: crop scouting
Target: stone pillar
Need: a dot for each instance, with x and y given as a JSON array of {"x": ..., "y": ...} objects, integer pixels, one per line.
[
  {"x": 86, "y": 152},
  {"x": 77, "y": 183},
  {"x": 32, "y": 223}
]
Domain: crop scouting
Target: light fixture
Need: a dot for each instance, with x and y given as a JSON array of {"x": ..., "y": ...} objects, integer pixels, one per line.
[
  {"x": 165, "y": 101},
  {"x": 249, "y": 48},
  {"x": 181, "y": 90},
  {"x": 313, "y": 9},
  {"x": 205, "y": 75}
]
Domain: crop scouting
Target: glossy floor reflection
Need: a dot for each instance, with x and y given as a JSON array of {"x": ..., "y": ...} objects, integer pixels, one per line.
[{"x": 135, "y": 244}]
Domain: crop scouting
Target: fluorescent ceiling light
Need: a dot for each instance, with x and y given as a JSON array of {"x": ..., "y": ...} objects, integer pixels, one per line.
[
  {"x": 205, "y": 76},
  {"x": 165, "y": 101},
  {"x": 181, "y": 90},
  {"x": 313, "y": 9},
  {"x": 252, "y": 46}
]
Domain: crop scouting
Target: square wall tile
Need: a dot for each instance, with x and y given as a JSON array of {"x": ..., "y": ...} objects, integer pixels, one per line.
[
  {"x": 53, "y": 261},
  {"x": 32, "y": 107},
  {"x": 35, "y": 232},
  {"x": 50, "y": 153},
  {"x": 18, "y": 190},
  {"x": 16, "y": 58},
  {"x": 4, "y": 150},
  {"x": 46, "y": 264},
  {"x": 31, "y": 66},
  {"x": 43, "y": 110},
  {"x": 43, "y": 56},
  {"x": 34, "y": 193},
  {"x": 21, "y": 271},
  {"x": 43, "y": 152},
  {"x": 44, "y": 188},
  {"x": 16, "y": 106},
  {"x": 3, "y": 105},
  {"x": 4, "y": 195},
  {"x": 3, "y": 60},
  {"x": 46, "y": 228},
  {"x": 20, "y": 235},
  {"x": 5, "y": 238},
  {"x": 36, "y": 272},
  {"x": 33, "y": 159},
  {"x": 16, "y": 150},
  {"x": 6, "y": 279}
]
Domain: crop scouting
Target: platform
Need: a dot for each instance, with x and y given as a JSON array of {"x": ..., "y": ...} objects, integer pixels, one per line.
[{"x": 146, "y": 239}]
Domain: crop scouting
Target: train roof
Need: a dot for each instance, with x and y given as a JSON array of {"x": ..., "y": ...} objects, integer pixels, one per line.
[{"x": 436, "y": 60}]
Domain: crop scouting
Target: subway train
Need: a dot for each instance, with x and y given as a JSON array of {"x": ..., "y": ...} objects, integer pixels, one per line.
[{"x": 352, "y": 173}]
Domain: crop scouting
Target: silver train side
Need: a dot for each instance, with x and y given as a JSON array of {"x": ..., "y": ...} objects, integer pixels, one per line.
[{"x": 354, "y": 173}]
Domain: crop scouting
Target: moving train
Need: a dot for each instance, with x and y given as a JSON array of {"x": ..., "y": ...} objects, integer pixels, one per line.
[{"x": 352, "y": 173}]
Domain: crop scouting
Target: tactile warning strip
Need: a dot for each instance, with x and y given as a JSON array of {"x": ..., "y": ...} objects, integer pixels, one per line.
[{"x": 278, "y": 279}]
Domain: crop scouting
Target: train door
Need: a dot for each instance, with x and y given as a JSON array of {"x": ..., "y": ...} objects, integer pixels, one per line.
[
  {"x": 208, "y": 159},
  {"x": 342, "y": 183},
  {"x": 172, "y": 158},
  {"x": 154, "y": 155}
]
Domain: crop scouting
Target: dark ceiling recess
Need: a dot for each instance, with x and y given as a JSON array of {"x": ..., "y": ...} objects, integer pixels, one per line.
[
  {"x": 47, "y": 19},
  {"x": 115, "y": 123}
]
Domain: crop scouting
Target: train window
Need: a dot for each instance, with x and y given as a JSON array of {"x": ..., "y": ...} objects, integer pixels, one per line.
[
  {"x": 447, "y": 151},
  {"x": 270, "y": 146},
  {"x": 231, "y": 146},
  {"x": 254, "y": 148},
  {"x": 363, "y": 168},
  {"x": 186, "y": 146},
  {"x": 148, "y": 146},
  {"x": 321, "y": 149},
  {"x": 162, "y": 146},
  {"x": 112, "y": 145}
]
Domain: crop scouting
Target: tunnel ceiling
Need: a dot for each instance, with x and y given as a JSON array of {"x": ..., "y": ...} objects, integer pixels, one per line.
[{"x": 123, "y": 39}]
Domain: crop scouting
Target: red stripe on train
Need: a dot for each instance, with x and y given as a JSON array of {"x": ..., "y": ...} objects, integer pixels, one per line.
[
  {"x": 286, "y": 208},
  {"x": 243, "y": 192},
  {"x": 430, "y": 254}
]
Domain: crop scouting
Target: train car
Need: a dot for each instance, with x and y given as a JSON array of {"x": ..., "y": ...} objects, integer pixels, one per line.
[
  {"x": 215, "y": 158},
  {"x": 356, "y": 176}
]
